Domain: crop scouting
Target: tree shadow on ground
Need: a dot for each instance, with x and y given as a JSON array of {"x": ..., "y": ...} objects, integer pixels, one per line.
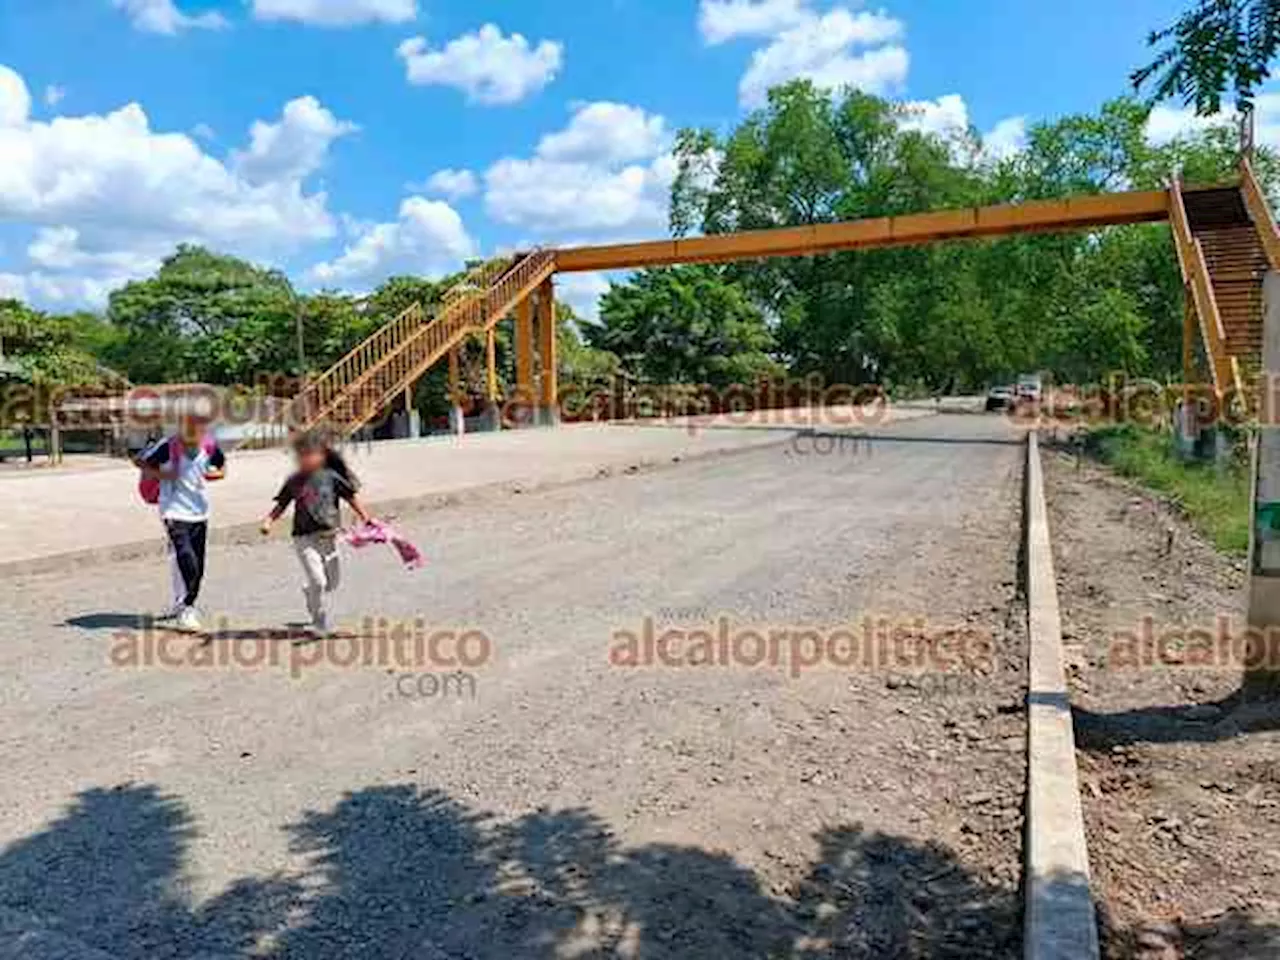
[
  {"x": 110, "y": 873},
  {"x": 1235, "y": 935},
  {"x": 1188, "y": 723},
  {"x": 399, "y": 871},
  {"x": 404, "y": 872}
]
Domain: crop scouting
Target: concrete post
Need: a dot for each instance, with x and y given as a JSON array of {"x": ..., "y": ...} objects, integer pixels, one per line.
[
  {"x": 549, "y": 395},
  {"x": 524, "y": 397},
  {"x": 412, "y": 419},
  {"x": 457, "y": 417},
  {"x": 1262, "y": 670},
  {"x": 493, "y": 410}
]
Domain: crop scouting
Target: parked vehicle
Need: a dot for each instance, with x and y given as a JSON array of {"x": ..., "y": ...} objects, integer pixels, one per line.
[
  {"x": 999, "y": 398},
  {"x": 1029, "y": 388}
]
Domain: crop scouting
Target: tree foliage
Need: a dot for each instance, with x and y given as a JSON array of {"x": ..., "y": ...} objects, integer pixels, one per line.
[
  {"x": 955, "y": 314},
  {"x": 1215, "y": 47},
  {"x": 54, "y": 349},
  {"x": 684, "y": 325}
]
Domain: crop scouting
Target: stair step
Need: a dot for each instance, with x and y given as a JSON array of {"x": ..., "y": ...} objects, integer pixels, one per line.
[{"x": 1209, "y": 209}]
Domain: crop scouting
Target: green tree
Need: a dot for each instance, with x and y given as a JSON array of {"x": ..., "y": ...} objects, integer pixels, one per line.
[
  {"x": 55, "y": 349},
  {"x": 953, "y": 314},
  {"x": 684, "y": 324},
  {"x": 205, "y": 316},
  {"x": 396, "y": 294},
  {"x": 1215, "y": 47}
]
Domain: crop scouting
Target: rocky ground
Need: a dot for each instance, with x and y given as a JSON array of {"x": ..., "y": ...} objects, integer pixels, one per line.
[{"x": 1181, "y": 784}]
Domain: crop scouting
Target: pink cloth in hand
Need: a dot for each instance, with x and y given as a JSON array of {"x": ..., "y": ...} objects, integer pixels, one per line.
[{"x": 379, "y": 532}]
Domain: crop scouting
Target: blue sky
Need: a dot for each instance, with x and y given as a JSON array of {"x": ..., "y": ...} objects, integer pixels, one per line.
[{"x": 312, "y": 134}]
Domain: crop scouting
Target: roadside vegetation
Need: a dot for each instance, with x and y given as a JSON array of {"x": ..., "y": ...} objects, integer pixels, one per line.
[{"x": 1215, "y": 497}]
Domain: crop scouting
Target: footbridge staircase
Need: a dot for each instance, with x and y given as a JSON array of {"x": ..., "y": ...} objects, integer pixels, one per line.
[
  {"x": 1227, "y": 241},
  {"x": 368, "y": 379}
]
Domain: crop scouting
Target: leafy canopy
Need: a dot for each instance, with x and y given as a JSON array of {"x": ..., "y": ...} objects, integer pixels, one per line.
[{"x": 1215, "y": 47}]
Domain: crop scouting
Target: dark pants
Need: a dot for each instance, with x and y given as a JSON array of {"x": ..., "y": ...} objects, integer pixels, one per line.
[{"x": 188, "y": 541}]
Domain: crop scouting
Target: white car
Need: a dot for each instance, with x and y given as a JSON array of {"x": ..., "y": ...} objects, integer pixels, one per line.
[
  {"x": 999, "y": 398},
  {"x": 1029, "y": 389}
]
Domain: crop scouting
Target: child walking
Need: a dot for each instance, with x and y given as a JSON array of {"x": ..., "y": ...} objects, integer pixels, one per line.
[{"x": 316, "y": 490}]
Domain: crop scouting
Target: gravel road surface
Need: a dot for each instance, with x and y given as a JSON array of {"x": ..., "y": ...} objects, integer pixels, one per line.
[{"x": 570, "y": 807}]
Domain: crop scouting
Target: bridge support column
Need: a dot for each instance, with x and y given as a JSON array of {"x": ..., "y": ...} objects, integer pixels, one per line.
[
  {"x": 549, "y": 395},
  {"x": 412, "y": 419},
  {"x": 457, "y": 417},
  {"x": 1262, "y": 666},
  {"x": 524, "y": 400},
  {"x": 492, "y": 401},
  {"x": 1186, "y": 422},
  {"x": 1188, "y": 340}
]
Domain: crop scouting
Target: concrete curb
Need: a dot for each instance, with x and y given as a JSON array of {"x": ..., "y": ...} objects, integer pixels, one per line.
[
  {"x": 1060, "y": 922},
  {"x": 239, "y": 534}
]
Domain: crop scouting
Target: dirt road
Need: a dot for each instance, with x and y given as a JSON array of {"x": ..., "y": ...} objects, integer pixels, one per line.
[{"x": 570, "y": 807}]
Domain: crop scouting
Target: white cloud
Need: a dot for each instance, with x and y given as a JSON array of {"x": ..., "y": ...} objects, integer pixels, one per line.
[
  {"x": 1169, "y": 123},
  {"x": 945, "y": 117},
  {"x": 548, "y": 197},
  {"x": 834, "y": 50},
  {"x": 13, "y": 286},
  {"x": 721, "y": 20},
  {"x": 583, "y": 291},
  {"x": 948, "y": 118},
  {"x": 490, "y": 68},
  {"x": 115, "y": 171},
  {"x": 453, "y": 184},
  {"x": 292, "y": 148},
  {"x": 618, "y": 185},
  {"x": 58, "y": 291},
  {"x": 60, "y": 248},
  {"x": 1005, "y": 139},
  {"x": 336, "y": 13},
  {"x": 163, "y": 16},
  {"x": 15, "y": 100},
  {"x": 107, "y": 197},
  {"x": 427, "y": 238},
  {"x": 54, "y": 95},
  {"x": 607, "y": 133}
]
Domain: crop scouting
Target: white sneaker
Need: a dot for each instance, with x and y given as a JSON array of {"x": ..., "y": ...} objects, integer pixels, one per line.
[
  {"x": 171, "y": 613},
  {"x": 188, "y": 620}
]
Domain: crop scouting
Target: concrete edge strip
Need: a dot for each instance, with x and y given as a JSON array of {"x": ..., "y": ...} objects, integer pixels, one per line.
[
  {"x": 1060, "y": 922},
  {"x": 238, "y": 534}
]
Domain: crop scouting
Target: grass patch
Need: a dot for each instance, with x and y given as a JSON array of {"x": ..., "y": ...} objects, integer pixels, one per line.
[{"x": 1216, "y": 499}]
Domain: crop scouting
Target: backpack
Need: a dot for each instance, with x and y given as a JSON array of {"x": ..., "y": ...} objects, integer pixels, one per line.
[{"x": 149, "y": 487}]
